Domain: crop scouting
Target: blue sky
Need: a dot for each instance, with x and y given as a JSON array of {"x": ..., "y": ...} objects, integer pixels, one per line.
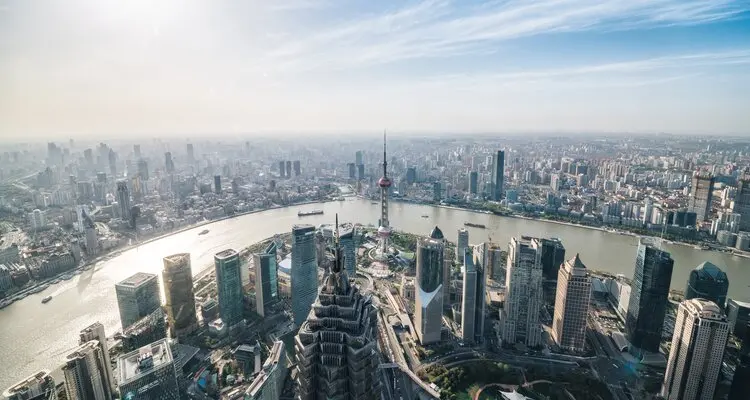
[{"x": 88, "y": 67}]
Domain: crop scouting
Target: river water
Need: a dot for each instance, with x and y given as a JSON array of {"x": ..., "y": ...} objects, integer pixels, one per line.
[{"x": 35, "y": 335}]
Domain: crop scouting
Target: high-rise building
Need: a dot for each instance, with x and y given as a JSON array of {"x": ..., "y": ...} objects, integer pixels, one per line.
[
  {"x": 281, "y": 169},
  {"x": 288, "y": 169},
  {"x": 112, "y": 158},
  {"x": 177, "y": 277},
  {"x": 572, "y": 305},
  {"x": 95, "y": 332},
  {"x": 700, "y": 196},
  {"x": 39, "y": 386},
  {"x": 137, "y": 297},
  {"x": 352, "y": 170},
  {"x": 523, "y": 296},
  {"x": 473, "y": 182},
  {"x": 742, "y": 201},
  {"x": 137, "y": 151},
  {"x": 266, "y": 278},
  {"x": 498, "y": 176},
  {"x": 123, "y": 199},
  {"x": 148, "y": 373},
  {"x": 473, "y": 305},
  {"x": 384, "y": 231},
  {"x": 336, "y": 346},
  {"x": 738, "y": 313},
  {"x": 168, "y": 163},
  {"x": 146, "y": 330},
  {"x": 360, "y": 172},
  {"x": 85, "y": 373},
  {"x": 190, "y": 154},
  {"x": 707, "y": 281},
  {"x": 304, "y": 275},
  {"x": 143, "y": 169},
  {"x": 296, "y": 166},
  {"x": 741, "y": 380},
  {"x": 229, "y": 286},
  {"x": 269, "y": 383},
  {"x": 648, "y": 298},
  {"x": 553, "y": 256},
  {"x": 347, "y": 232},
  {"x": 700, "y": 336},
  {"x": 217, "y": 184},
  {"x": 428, "y": 302},
  {"x": 358, "y": 158},
  {"x": 462, "y": 244}
]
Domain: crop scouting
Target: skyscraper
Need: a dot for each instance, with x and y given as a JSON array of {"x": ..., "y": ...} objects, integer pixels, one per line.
[
  {"x": 304, "y": 275},
  {"x": 229, "y": 286},
  {"x": 143, "y": 169},
  {"x": 217, "y": 184},
  {"x": 498, "y": 178},
  {"x": 336, "y": 346},
  {"x": 352, "y": 170},
  {"x": 296, "y": 166},
  {"x": 701, "y": 193},
  {"x": 572, "y": 305},
  {"x": 523, "y": 296},
  {"x": 741, "y": 380},
  {"x": 190, "y": 154},
  {"x": 707, "y": 281},
  {"x": 428, "y": 302},
  {"x": 358, "y": 158},
  {"x": 266, "y": 278},
  {"x": 700, "y": 335},
  {"x": 742, "y": 201},
  {"x": 553, "y": 255},
  {"x": 148, "y": 373},
  {"x": 137, "y": 151},
  {"x": 349, "y": 248},
  {"x": 648, "y": 297},
  {"x": 85, "y": 376},
  {"x": 462, "y": 244},
  {"x": 178, "y": 291},
  {"x": 137, "y": 297},
  {"x": 39, "y": 386},
  {"x": 112, "y": 158},
  {"x": 123, "y": 199},
  {"x": 281, "y": 169},
  {"x": 384, "y": 231},
  {"x": 168, "y": 163},
  {"x": 473, "y": 304},
  {"x": 95, "y": 332},
  {"x": 473, "y": 182},
  {"x": 269, "y": 383}
]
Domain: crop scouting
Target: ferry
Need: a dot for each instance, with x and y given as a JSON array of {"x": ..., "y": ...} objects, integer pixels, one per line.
[
  {"x": 306, "y": 213},
  {"x": 46, "y": 299},
  {"x": 473, "y": 225},
  {"x": 203, "y": 232}
]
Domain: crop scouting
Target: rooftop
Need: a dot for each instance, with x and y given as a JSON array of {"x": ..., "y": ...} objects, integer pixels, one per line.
[
  {"x": 140, "y": 362},
  {"x": 224, "y": 254},
  {"x": 32, "y": 384},
  {"x": 436, "y": 233},
  {"x": 177, "y": 259},
  {"x": 576, "y": 262},
  {"x": 136, "y": 280},
  {"x": 707, "y": 270}
]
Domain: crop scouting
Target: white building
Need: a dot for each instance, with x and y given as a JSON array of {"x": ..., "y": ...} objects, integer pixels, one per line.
[
  {"x": 38, "y": 219},
  {"x": 520, "y": 319},
  {"x": 700, "y": 336},
  {"x": 572, "y": 305}
]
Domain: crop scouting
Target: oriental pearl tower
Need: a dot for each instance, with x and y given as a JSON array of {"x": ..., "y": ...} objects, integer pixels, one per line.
[{"x": 384, "y": 231}]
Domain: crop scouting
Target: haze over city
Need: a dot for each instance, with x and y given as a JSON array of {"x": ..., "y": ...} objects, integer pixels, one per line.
[{"x": 87, "y": 68}]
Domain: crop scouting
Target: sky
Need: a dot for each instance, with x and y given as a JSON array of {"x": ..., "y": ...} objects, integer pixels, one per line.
[{"x": 76, "y": 68}]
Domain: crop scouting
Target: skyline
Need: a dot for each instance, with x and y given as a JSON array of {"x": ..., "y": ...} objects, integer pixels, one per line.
[{"x": 83, "y": 68}]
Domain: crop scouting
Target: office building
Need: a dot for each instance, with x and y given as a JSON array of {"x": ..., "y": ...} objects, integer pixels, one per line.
[
  {"x": 360, "y": 172},
  {"x": 347, "y": 232},
  {"x": 738, "y": 314},
  {"x": 336, "y": 346},
  {"x": 143, "y": 169},
  {"x": 304, "y": 275},
  {"x": 707, "y": 281},
  {"x": 144, "y": 331},
  {"x": 137, "y": 297},
  {"x": 461, "y": 244},
  {"x": 553, "y": 256},
  {"x": 96, "y": 332},
  {"x": 572, "y": 305},
  {"x": 701, "y": 193},
  {"x": 742, "y": 201},
  {"x": 148, "y": 373},
  {"x": 497, "y": 176},
  {"x": 297, "y": 169},
  {"x": 112, "y": 159},
  {"x": 137, "y": 151},
  {"x": 741, "y": 380},
  {"x": 281, "y": 169},
  {"x": 217, "y": 184},
  {"x": 85, "y": 373},
  {"x": 288, "y": 170},
  {"x": 269, "y": 383},
  {"x": 700, "y": 336},
  {"x": 248, "y": 358},
  {"x": 39, "y": 386},
  {"x": 266, "y": 279},
  {"x": 190, "y": 153},
  {"x": 352, "y": 170},
  {"x": 177, "y": 277},
  {"x": 428, "y": 302},
  {"x": 473, "y": 182},
  {"x": 123, "y": 199},
  {"x": 229, "y": 286},
  {"x": 523, "y": 298},
  {"x": 168, "y": 163},
  {"x": 648, "y": 298},
  {"x": 473, "y": 305},
  {"x": 358, "y": 158}
]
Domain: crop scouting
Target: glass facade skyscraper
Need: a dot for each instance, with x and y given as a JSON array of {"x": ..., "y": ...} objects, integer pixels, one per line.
[
  {"x": 137, "y": 297},
  {"x": 229, "y": 286},
  {"x": 648, "y": 297},
  {"x": 707, "y": 281},
  {"x": 428, "y": 304},
  {"x": 498, "y": 176},
  {"x": 177, "y": 277},
  {"x": 304, "y": 276},
  {"x": 266, "y": 278}
]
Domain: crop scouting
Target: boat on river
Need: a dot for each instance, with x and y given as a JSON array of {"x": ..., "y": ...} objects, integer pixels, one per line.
[
  {"x": 46, "y": 299},
  {"x": 473, "y": 225},
  {"x": 203, "y": 232},
  {"x": 306, "y": 213}
]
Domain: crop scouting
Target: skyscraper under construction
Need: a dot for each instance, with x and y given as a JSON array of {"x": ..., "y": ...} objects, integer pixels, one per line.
[{"x": 336, "y": 350}]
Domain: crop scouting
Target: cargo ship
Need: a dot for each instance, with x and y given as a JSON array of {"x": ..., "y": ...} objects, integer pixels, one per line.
[
  {"x": 46, "y": 299},
  {"x": 306, "y": 213},
  {"x": 473, "y": 225}
]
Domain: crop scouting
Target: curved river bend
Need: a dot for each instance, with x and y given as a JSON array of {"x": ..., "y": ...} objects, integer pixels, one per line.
[{"x": 35, "y": 335}]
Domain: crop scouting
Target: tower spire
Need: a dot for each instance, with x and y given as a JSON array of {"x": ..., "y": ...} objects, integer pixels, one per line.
[{"x": 385, "y": 163}]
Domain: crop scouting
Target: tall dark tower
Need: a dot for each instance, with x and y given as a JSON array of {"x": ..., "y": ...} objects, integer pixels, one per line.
[
  {"x": 741, "y": 381},
  {"x": 384, "y": 231},
  {"x": 336, "y": 347}
]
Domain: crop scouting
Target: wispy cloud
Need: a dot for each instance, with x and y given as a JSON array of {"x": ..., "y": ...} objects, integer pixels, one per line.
[
  {"x": 297, "y": 5},
  {"x": 444, "y": 28}
]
